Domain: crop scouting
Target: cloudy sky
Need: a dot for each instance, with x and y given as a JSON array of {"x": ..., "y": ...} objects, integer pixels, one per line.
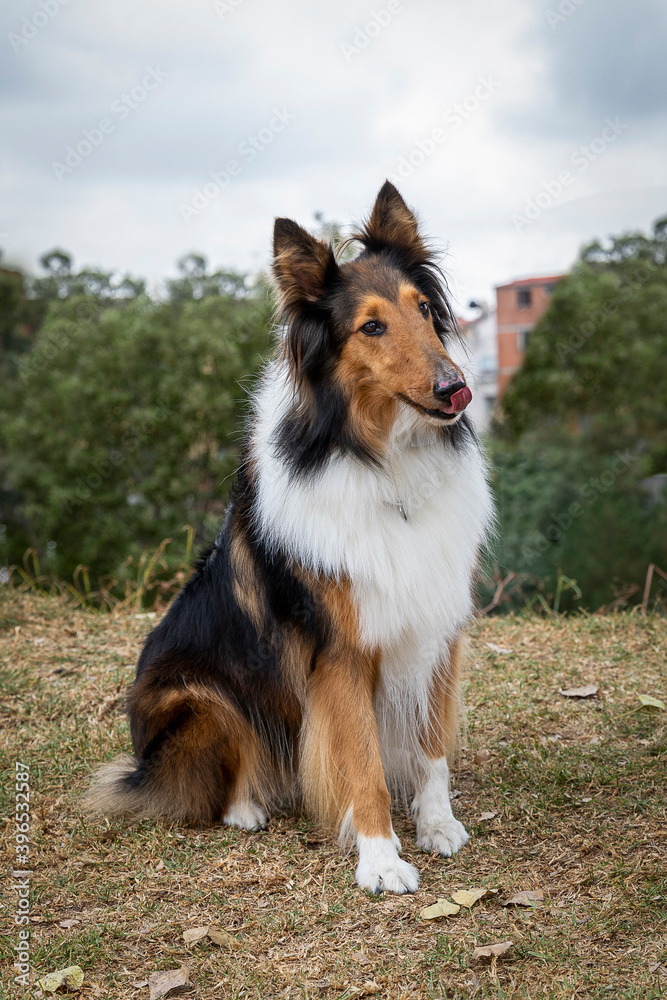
[{"x": 518, "y": 129}]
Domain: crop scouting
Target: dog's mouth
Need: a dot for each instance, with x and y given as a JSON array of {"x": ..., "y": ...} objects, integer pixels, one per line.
[{"x": 448, "y": 411}]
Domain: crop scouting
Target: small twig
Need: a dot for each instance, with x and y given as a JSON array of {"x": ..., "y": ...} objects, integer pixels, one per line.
[
  {"x": 498, "y": 594},
  {"x": 653, "y": 568}
]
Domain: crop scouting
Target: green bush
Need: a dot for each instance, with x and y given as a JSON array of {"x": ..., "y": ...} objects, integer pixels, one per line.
[
  {"x": 122, "y": 425},
  {"x": 568, "y": 507}
]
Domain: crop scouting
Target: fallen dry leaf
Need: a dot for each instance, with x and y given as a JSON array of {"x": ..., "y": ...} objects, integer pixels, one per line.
[
  {"x": 468, "y": 897},
  {"x": 482, "y": 757},
  {"x": 360, "y": 957},
  {"x": 526, "y": 898},
  {"x": 493, "y": 950},
  {"x": 223, "y": 938},
  {"x": 70, "y": 978},
  {"x": 161, "y": 983},
  {"x": 443, "y": 908},
  {"x": 194, "y": 934},
  {"x": 68, "y": 923},
  {"x": 502, "y": 650},
  {"x": 587, "y": 691},
  {"x": 487, "y": 815},
  {"x": 648, "y": 701}
]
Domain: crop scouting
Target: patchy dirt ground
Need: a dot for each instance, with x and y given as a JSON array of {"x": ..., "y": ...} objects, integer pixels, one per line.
[{"x": 562, "y": 795}]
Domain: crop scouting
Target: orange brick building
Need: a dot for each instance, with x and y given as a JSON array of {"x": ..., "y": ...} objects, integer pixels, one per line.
[{"x": 520, "y": 304}]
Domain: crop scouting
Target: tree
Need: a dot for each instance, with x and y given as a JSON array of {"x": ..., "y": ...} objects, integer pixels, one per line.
[
  {"x": 596, "y": 360},
  {"x": 584, "y": 423},
  {"x": 61, "y": 282},
  {"x": 123, "y": 425},
  {"x": 196, "y": 283}
]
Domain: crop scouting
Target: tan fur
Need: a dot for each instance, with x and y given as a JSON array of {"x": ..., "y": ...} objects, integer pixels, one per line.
[
  {"x": 403, "y": 362},
  {"x": 248, "y": 589},
  {"x": 299, "y": 263},
  {"x": 339, "y": 761},
  {"x": 391, "y": 222},
  {"x": 216, "y": 733},
  {"x": 445, "y": 706}
]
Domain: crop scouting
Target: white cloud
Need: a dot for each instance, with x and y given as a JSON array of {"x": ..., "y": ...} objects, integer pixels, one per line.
[{"x": 354, "y": 120}]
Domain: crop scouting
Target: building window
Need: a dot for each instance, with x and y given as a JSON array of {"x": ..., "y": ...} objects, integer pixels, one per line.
[
  {"x": 548, "y": 289},
  {"x": 524, "y": 298},
  {"x": 522, "y": 338}
]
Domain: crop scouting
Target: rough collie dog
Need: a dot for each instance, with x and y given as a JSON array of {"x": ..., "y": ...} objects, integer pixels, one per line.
[{"x": 314, "y": 656}]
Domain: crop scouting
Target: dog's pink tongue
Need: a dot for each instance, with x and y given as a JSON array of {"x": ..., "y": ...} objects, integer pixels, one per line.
[{"x": 459, "y": 400}]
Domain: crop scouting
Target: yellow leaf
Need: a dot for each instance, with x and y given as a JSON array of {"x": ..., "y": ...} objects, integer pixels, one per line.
[
  {"x": 468, "y": 897},
  {"x": 194, "y": 934},
  {"x": 493, "y": 950},
  {"x": 526, "y": 898},
  {"x": 443, "y": 908},
  {"x": 650, "y": 702},
  {"x": 587, "y": 691},
  {"x": 162, "y": 983},
  {"x": 71, "y": 978},
  {"x": 223, "y": 938}
]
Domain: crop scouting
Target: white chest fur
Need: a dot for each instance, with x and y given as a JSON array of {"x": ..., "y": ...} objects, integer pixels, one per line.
[{"x": 410, "y": 578}]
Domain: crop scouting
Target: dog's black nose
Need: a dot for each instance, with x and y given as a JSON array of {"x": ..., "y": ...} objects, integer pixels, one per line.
[{"x": 443, "y": 390}]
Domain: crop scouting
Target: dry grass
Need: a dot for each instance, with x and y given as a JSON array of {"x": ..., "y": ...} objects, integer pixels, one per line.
[{"x": 578, "y": 788}]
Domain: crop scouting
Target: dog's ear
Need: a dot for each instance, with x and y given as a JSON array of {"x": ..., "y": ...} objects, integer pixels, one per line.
[
  {"x": 393, "y": 224},
  {"x": 303, "y": 266}
]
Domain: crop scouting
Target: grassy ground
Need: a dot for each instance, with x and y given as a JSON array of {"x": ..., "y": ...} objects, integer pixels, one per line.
[{"x": 578, "y": 789}]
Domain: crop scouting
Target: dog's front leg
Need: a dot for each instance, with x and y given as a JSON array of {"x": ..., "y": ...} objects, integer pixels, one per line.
[
  {"x": 341, "y": 770},
  {"x": 438, "y": 829}
]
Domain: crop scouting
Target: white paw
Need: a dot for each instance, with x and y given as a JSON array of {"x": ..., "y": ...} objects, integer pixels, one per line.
[
  {"x": 444, "y": 837},
  {"x": 396, "y": 842},
  {"x": 381, "y": 870},
  {"x": 245, "y": 815}
]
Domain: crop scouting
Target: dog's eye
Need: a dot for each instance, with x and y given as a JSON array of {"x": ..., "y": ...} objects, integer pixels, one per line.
[
  {"x": 424, "y": 308},
  {"x": 372, "y": 328}
]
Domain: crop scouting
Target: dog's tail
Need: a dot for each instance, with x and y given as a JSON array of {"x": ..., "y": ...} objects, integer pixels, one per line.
[
  {"x": 113, "y": 791},
  {"x": 196, "y": 756}
]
